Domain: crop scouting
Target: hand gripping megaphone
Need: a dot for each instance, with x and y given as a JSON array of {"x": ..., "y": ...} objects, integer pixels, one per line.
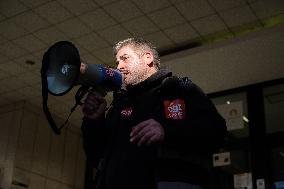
[{"x": 60, "y": 72}]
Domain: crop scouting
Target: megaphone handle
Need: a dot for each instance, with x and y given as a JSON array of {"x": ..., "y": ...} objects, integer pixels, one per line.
[
  {"x": 78, "y": 96},
  {"x": 99, "y": 90},
  {"x": 82, "y": 91}
]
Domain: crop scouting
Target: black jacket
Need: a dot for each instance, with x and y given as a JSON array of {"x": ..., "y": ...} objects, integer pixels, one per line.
[{"x": 193, "y": 130}]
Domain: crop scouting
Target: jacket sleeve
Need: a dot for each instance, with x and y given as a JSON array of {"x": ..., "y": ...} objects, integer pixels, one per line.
[
  {"x": 203, "y": 129},
  {"x": 94, "y": 139}
]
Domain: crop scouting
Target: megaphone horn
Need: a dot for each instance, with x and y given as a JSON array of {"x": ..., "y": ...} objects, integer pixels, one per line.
[{"x": 61, "y": 71}]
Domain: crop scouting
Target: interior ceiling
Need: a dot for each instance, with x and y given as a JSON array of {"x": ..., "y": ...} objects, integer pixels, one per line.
[{"x": 29, "y": 27}]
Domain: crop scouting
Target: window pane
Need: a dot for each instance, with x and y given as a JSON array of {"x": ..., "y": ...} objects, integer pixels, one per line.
[
  {"x": 234, "y": 109},
  {"x": 277, "y": 157},
  {"x": 274, "y": 108}
]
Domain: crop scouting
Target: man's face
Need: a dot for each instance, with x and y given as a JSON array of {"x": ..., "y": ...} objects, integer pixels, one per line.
[{"x": 131, "y": 65}]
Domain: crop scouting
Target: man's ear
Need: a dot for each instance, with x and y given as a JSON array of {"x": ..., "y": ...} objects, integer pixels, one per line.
[{"x": 148, "y": 58}]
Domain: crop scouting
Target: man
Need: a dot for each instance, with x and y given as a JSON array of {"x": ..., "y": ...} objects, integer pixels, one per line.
[{"x": 158, "y": 133}]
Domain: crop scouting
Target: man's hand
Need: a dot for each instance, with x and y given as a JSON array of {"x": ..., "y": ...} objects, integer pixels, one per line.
[
  {"x": 147, "y": 132},
  {"x": 94, "y": 106}
]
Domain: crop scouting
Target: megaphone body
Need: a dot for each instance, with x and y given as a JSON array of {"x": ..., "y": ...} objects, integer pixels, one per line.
[
  {"x": 63, "y": 63},
  {"x": 94, "y": 75},
  {"x": 61, "y": 71}
]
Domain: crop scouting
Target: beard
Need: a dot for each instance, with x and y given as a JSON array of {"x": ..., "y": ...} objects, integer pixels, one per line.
[{"x": 135, "y": 73}]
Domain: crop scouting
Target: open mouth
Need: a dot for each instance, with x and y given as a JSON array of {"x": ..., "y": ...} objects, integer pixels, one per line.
[{"x": 124, "y": 73}]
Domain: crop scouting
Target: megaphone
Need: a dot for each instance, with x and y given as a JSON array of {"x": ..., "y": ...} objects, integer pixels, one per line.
[{"x": 60, "y": 72}]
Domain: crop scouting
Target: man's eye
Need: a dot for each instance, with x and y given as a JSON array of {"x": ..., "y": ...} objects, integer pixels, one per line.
[{"x": 125, "y": 57}]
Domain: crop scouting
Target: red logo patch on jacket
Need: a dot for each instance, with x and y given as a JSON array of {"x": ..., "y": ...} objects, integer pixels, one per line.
[
  {"x": 175, "y": 109},
  {"x": 126, "y": 112}
]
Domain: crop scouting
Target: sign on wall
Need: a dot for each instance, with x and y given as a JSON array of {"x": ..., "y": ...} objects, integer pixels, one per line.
[{"x": 233, "y": 114}]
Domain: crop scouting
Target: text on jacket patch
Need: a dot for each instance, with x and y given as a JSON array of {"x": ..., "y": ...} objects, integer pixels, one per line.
[
  {"x": 126, "y": 112},
  {"x": 110, "y": 72},
  {"x": 174, "y": 109}
]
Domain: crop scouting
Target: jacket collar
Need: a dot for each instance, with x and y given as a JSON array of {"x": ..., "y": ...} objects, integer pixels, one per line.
[{"x": 150, "y": 82}]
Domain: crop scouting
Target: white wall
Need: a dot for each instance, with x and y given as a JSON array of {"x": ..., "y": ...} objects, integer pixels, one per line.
[
  {"x": 248, "y": 59},
  {"x": 31, "y": 154}
]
